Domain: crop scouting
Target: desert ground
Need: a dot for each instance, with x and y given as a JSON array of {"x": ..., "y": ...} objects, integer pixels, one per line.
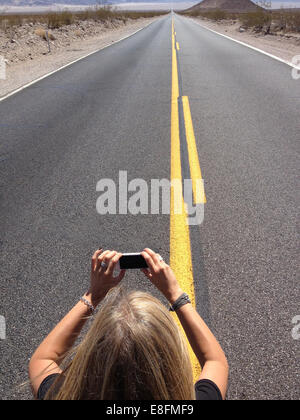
[
  {"x": 26, "y": 51},
  {"x": 283, "y": 45}
]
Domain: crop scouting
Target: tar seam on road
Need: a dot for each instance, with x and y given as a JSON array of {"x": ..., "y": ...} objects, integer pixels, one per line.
[
  {"x": 180, "y": 244},
  {"x": 191, "y": 170}
]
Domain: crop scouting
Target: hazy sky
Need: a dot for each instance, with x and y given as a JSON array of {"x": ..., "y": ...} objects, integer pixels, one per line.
[
  {"x": 180, "y": 4},
  {"x": 286, "y": 3}
]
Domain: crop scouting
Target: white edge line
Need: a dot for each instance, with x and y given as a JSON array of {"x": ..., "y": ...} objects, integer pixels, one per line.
[
  {"x": 248, "y": 45},
  {"x": 69, "y": 64}
]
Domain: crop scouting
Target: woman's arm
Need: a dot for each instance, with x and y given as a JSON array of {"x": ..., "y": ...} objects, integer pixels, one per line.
[
  {"x": 206, "y": 347},
  {"x": 204, "y": 344},
  {"x": 47, "y": 357}
]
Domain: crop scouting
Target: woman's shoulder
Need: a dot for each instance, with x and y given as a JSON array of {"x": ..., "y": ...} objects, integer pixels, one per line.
[
  {"x": 46, "y": 385},
  {"x": 207, "y": 390}
]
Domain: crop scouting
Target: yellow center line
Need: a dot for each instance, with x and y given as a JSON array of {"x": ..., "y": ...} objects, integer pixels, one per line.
[
  {"x": 180, "y": 246},
  {"x": 177, "y": 46},
  {"x": 197, "y": 180}
]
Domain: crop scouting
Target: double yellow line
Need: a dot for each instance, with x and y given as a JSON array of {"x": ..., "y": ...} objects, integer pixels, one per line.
[{"x": 180, "y": 245}]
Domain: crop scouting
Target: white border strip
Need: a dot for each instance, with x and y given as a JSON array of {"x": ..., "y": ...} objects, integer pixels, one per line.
[
  {"x": 69, "y": 64},
  {"x": 248, "y": 45}
]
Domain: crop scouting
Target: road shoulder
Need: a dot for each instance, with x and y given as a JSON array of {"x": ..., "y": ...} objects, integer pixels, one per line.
[
  {"x": 20, "y": 74},
  {"x": 282, "y": 47}
]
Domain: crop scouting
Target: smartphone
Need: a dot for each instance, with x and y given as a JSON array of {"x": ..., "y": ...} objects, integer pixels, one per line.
[{"x": 132, "y": 261}]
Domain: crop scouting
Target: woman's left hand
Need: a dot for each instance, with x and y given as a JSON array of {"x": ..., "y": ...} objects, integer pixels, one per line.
[{"x": 102, "y": 275}]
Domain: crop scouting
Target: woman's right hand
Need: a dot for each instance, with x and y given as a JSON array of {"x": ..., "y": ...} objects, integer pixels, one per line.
[
  {"x": 102, "y": 275},
  {"x": 161, "y": 275}
]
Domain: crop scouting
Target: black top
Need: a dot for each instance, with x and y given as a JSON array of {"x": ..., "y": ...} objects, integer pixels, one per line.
[{"x": 205, "y": 390}]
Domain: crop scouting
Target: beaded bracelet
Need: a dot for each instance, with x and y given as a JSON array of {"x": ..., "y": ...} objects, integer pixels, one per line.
[{"x": 88, "y": 304}]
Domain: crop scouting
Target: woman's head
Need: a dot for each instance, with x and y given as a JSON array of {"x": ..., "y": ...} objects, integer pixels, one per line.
[{"x": 133, "y": 350}]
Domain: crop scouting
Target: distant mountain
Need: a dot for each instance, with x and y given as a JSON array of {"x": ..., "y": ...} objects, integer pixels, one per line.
[{"x": 226, "y": 5}]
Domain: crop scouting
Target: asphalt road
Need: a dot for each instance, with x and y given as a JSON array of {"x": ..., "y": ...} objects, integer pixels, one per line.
[{"x": 111, "y": 112}]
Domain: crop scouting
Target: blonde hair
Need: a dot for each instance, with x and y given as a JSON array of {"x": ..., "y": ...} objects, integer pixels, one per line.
[{"x": 133, "y": 351}]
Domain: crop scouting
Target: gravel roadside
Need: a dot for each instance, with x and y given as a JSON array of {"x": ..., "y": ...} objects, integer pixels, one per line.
[
  {"x": 27, "y": 55},
  {"x": 284, "y": 46}
]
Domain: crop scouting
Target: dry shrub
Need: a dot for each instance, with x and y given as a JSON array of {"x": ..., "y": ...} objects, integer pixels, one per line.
[
  {"x": 217, "y": 15},
  {"x": 55, "y": 20},
  {"x": 285, "y": 20},
  {"x": 288, "y": 21},
  {"x": 256, "y": 20},
  {"x": 103, "y": 13},
  {"x": 11, "y": 21},
  {"x": 42, "y": 33},
  {"x": 59, "y": 19}
]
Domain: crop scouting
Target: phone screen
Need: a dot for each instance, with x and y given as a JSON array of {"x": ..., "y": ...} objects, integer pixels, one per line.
[{"x": 132, "y": 261}]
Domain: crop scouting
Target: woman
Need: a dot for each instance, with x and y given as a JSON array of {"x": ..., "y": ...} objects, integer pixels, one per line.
[{"x": 134, "y": 349}]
